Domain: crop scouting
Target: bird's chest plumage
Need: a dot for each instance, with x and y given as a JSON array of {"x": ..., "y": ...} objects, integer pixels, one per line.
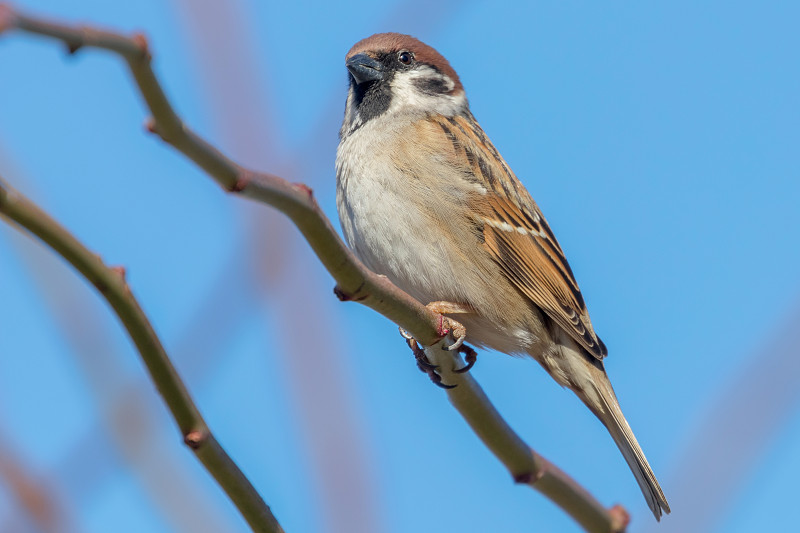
[
  {"x": 392, "y": 235},
  {"x": 404, "y": 208}
]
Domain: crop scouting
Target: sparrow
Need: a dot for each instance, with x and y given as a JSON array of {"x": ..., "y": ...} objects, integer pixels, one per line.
[{"x": 425, "y": 199}]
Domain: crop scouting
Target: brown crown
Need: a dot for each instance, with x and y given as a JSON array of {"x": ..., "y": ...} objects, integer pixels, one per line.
[{"x": 394, "y": 42}]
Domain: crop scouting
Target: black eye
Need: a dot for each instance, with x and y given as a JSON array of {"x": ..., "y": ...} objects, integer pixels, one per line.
[{"x": 405, "y": 57}]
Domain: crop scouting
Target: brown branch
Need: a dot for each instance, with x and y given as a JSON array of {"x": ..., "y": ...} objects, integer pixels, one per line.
[
  {"x": 354, "y": 281},
  {"x": 110, "y": 282},
  {"x": 127, "y": 409},
  {"x": 525, "y": 465}
]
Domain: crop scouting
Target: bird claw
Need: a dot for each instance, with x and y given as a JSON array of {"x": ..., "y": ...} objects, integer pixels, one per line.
[
  {"x": 470, "y": 356},
  {"x": 437, "y": 380},
  {"x": 424, "y": 364},
  {"x": 449, "y": 326},
  {"x": 460, "y": 333},
  {"x": 406, "y": 335}
]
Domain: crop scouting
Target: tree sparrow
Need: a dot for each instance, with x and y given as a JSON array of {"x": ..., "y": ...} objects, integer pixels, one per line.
[{"x": 425, "y": 199}]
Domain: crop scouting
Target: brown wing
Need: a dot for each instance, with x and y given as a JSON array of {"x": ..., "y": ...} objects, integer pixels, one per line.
[{"x": 518, "y": 236}]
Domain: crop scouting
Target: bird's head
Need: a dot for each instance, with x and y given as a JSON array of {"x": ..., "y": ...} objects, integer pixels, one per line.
[{"x": 392, "y": 73}]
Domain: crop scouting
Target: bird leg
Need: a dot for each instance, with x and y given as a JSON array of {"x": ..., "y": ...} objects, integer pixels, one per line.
[{"x": 448, "y": 325}]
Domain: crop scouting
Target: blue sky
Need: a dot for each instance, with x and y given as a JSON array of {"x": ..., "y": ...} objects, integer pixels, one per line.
[{"x": 661, "y": 142}]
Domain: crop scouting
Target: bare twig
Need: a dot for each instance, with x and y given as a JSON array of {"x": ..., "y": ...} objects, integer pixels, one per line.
[
  {"x": 110, "y": 282},
  {"x": 354, "y": 281},
  {"x": 128, "y": 412},
  {"x": 525, "y": 465}
]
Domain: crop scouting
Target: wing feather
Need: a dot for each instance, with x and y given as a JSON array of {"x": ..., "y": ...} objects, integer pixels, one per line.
[{"x": 517, "y": 235}]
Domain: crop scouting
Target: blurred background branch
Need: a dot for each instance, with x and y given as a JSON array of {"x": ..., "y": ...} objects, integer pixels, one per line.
[
  {"x": 111, "y": 284},
  {"x": 129, "y": 412},
  {"x": 33, "y": 494},
  {"x": 734, "y": 432}
]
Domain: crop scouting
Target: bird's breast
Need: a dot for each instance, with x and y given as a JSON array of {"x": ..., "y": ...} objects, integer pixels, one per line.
[
  {"x": 403, "y": 212},
  {"x": 385, "y": 221}
]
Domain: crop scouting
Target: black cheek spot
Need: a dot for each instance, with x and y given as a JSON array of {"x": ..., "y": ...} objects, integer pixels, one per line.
[{"x": 431, "y": 85}]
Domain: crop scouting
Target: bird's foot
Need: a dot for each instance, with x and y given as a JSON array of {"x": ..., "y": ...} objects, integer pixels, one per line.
[
  {"x": 424, "y": 364},
  {"x": 448, "y": 326}
]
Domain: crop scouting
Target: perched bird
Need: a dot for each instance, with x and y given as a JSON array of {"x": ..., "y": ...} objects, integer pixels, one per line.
[{"x": 425, "y": 199}]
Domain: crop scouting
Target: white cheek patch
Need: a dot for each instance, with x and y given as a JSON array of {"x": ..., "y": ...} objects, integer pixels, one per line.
[{"x": 406, "y": 94}]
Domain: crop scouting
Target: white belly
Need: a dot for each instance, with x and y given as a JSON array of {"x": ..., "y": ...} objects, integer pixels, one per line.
[{"x": 390, "y": 234}]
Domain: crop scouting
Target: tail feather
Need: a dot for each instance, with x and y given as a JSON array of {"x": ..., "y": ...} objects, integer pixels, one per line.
[
  {"x": 611, "y": 416},
  {"x": 572, "y": 367}
]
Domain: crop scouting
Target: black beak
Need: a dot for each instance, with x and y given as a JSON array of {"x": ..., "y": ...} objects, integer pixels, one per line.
[{"x": 363, "y": 68}]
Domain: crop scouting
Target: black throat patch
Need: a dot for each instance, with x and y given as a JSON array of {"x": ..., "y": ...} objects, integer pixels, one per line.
[{"x": 372, "y": 99}]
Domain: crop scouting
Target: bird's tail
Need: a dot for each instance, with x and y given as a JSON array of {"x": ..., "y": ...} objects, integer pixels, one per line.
[{"x": 607, "y": 409}]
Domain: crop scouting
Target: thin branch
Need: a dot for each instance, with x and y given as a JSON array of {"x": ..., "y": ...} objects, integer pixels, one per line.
[
  {"x": 354, "y": 281},
  {"x": 110, "y": 282},
  {"x": 525, "y": 465},
  {"x": 128, "y": 411}
]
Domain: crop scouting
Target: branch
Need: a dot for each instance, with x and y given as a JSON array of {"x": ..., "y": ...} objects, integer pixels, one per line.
[
  {"x": 126, "y": 410},
  {"x": 354, "y": 281},
  {"x": 525, "y": 465},
  {"x": 110, "y": 282}
]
